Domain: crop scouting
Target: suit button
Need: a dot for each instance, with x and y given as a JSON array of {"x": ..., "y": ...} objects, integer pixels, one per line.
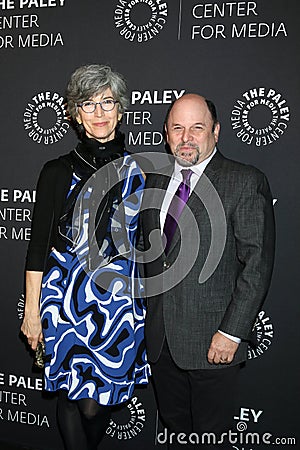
[{"x": 166, "y": 264}]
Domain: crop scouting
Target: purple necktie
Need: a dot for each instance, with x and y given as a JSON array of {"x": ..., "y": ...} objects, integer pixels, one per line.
[{"x": 177, "y": 204}]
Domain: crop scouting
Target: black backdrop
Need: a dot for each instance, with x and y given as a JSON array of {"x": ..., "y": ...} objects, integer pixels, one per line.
[{"x": 242, "y": 55}]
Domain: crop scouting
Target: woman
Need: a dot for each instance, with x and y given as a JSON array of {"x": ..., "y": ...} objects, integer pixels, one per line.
[{"x": 82, "y": 291}]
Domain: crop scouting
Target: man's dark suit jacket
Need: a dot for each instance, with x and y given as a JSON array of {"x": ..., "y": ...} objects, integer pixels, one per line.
[{"x": 233, "y": 217}]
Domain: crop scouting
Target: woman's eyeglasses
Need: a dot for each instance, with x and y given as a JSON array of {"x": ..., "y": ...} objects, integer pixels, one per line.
[{"x": 90, "y": 106}]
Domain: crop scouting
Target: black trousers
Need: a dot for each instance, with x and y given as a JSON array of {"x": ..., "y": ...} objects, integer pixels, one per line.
[{"x": 194, "y": 402}]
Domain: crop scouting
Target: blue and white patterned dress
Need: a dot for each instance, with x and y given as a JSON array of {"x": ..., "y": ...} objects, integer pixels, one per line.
[{"x": 94, "y": 335}]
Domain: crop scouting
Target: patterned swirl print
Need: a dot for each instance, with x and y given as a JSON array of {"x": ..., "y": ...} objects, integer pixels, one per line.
[{"x": 93, "y": 320}]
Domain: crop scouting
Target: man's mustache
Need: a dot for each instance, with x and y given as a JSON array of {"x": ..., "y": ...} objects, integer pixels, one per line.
[{"x": 188, "y": 144}]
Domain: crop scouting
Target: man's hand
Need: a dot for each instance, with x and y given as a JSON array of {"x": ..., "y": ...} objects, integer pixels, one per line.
[{"x": 221, "y": 350}]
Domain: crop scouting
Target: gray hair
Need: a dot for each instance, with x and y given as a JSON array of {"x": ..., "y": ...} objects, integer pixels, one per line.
[{"x": 90, "y": 80}]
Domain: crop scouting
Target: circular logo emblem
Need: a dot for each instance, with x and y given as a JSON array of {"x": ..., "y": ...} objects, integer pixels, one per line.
[
  {"x": 44, "y": 118},
  {"x": 127, "y": 423},
  {"x": 264, "y": 331},
  {"x": 260, "y": 117},
  {"x": 140, "y": 20}
]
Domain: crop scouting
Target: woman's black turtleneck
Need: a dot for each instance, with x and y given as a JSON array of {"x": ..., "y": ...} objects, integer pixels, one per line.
[{"x": 100, "y": 153}]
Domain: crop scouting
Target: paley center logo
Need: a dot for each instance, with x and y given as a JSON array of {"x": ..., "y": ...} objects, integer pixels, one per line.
[
  {"x": 128, "y": 422},
  {"x": 264, "y": 332},
  {"x": 44, "y": 118},
  {"x": 260, "y": 116},
  {"x": 140, "y": 20}
]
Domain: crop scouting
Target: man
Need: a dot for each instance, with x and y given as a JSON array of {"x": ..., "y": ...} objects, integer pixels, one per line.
[{"x": 210, "y": 275}]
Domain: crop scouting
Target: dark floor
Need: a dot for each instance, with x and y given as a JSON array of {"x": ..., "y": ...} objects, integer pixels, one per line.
[{"x": 7, "y": 446}]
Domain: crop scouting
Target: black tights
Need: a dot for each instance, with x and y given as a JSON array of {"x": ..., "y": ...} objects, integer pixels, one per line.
[{"x": 82, "y": 422}]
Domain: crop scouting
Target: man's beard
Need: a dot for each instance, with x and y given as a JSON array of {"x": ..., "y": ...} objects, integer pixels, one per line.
[{"x": 184, "y": 162}]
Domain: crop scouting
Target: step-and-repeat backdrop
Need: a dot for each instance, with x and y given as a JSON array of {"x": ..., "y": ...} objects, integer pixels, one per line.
[{"x": 244, "y": 55}]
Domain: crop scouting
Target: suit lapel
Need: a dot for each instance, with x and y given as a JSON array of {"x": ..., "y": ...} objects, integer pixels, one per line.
[
  {"x": 214, "y": 166},
  {"x": 154, "y": 195}
]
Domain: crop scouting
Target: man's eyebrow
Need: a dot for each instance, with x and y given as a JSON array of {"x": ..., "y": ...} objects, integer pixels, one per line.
[
  {"x": 200, "y": 123},
  {"x": 180, "y": 124}
]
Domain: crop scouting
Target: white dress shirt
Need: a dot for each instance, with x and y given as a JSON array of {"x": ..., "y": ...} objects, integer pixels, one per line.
[{"x": 173, "y": 185}]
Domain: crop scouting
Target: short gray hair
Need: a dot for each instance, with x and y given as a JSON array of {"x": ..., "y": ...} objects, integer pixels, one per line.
[{"x": 90, "y": 80}]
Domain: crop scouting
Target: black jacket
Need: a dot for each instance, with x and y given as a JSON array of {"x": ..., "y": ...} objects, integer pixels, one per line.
[{"x": 52, "y": 189}]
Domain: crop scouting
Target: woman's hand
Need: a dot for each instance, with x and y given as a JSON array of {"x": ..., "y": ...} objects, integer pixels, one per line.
[
  {"x": 32, "y": 326},
  {"x": 32, "y": 329}
]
